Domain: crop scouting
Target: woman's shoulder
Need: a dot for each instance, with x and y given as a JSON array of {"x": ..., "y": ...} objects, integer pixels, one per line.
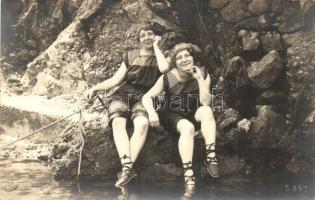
[
  {"x": 172, "y": 71},
  {"x": 133, "y": 53}
]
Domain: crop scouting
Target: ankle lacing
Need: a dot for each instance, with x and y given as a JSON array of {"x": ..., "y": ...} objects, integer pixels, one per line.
[
  {"x": 190, "y": 180},
  {"x": 126, "y": 166},
  {"x": 210, "y": 159}
]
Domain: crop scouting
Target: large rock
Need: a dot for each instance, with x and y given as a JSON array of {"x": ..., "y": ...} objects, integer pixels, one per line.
[
  {"x": 259, "y": 6},
  {"x": 267, "y": 129},
  {"x": 249, "y": 40},
  {"x": 235, "y": 11},
  {"x": 271, "y": 41},
  {"x": 266, "y": 71}
]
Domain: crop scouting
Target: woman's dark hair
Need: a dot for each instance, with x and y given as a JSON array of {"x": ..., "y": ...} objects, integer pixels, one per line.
[{"x": 155, "y": 27}]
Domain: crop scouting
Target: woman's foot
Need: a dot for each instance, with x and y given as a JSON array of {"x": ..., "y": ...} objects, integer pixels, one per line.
[
  {"x": 190, "y": 180},
  {"x": 124, "y": 177},
  {"x": 211, "y": 161},
  {"x": 126, "y": 174}
]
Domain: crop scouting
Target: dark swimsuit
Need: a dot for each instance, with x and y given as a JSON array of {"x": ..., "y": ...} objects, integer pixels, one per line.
[
  {"x": 142, "y": 73},
  {"x": 182, "y": 101}
]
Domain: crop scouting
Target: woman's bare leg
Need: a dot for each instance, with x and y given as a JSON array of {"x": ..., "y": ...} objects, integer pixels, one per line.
[
  {"x": 141, "y": 126},
  {"x": 186, "y": 146},
  {"x": 208, "y": 127}
]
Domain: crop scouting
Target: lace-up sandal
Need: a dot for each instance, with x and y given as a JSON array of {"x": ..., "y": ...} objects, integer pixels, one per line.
[
  {"x": 190, "y": 180},
  {"x": 126, "y": 174},
  {"x": 211, "y": 162}
]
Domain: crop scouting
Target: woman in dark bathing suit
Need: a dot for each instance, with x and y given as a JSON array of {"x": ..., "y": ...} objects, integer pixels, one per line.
[
  {"x": 187, "y": 94},
  {"x": 136, "y": 75}
]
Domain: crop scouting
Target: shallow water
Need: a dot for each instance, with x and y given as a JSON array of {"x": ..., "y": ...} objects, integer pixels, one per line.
[{"x": 33, "y": 180}]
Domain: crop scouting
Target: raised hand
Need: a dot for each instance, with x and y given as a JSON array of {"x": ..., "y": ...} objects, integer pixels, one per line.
[
  {"x": 195, "y": 72},
  {"x": 156, "y": 40}
]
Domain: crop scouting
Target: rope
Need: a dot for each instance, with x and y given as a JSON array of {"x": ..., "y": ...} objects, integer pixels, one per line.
[
  {"x": 39, "y": 130},
  {"x": 81, "y": 128},
  {"x": 82, "y": 132}
]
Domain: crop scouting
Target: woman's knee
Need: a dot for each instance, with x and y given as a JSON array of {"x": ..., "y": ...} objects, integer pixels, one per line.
[
  {"x": 119, "y": 124},
  {"x": 185, "y": 128},
  {"x": 204, "y": 113},
  {"x": 141, "y": 123}
]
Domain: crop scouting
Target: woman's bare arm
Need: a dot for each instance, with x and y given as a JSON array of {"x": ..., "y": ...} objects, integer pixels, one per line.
[
  {"x": 147, "y": 101},
  {"x": 109, "y": 83},
  {"x": 161, "y": 60}
]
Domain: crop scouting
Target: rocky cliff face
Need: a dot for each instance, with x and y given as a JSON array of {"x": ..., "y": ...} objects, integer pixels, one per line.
[{"x": 263, "y": 51}]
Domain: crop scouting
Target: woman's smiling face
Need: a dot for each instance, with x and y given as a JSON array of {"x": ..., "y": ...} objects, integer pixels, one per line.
[
  {"x": 146, "y": 38},
  {"x": 184, "y": 61}
]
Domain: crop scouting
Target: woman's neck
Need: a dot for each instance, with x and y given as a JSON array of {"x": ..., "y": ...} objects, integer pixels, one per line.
[
  {"x": 184, "y": 76},
  {"x": 146, "y": 52}
]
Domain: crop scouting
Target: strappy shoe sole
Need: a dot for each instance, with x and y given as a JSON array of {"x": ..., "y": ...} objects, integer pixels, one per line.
[
  {"x": 211, "y": 160},
  {"x": 129, "y": 173},
  {"x": 130, "y": 177},
  {"x": 209, "y": 171}
]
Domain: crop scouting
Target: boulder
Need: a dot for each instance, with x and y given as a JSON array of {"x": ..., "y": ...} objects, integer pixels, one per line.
[
  {"x": 264, "y": 72},
  {"x": 235, "y": 11},
  {"x": 257, "y": 7},
  {"x": 271, "y": 41},
  {"x": 267, "y": 129},
  {"x": 249, "y": 40}
]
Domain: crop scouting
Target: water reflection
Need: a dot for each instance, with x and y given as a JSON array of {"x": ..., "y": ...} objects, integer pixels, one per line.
[
  {"x": 124, "y": 193},
  {"x": 34, "y": 181},
  {"x": 188, "y": 193}
]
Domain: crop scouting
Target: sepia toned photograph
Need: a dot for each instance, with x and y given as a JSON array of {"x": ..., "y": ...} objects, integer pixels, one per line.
[{"x": 157, "y": 99}]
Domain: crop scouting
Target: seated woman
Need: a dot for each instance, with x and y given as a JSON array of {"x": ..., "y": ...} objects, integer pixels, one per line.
[
  {"x": 136, "y": 75},
  {"x": 187, "y": 98}
]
